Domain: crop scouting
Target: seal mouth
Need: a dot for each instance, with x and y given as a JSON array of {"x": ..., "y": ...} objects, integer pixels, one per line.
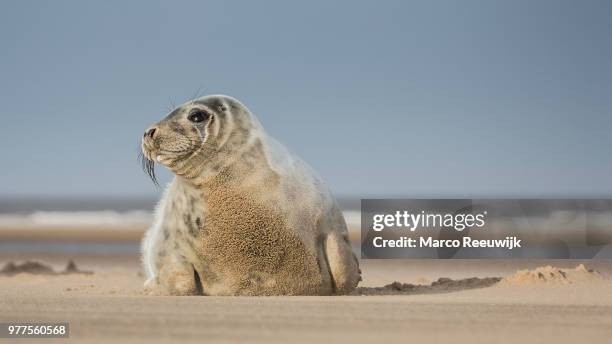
[
  {"x": 168, "y": 147},
  {"x": 150, "y": 154}
]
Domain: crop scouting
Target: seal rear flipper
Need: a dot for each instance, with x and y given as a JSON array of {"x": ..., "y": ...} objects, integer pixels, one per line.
[
  {"x": 343, "y": 264},
  {"x": 327, "y": 282}
]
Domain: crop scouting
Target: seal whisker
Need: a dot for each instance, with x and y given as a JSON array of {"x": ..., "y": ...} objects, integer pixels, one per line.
[
  {"x": 197, "y": 94},
  {"x": 180, "y": 151},
  {"x": 172, "y": 104},
  {"x": 148, "y": 166}
]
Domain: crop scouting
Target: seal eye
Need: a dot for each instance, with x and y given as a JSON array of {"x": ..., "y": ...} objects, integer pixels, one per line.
[{"x": 197, "y": 116}]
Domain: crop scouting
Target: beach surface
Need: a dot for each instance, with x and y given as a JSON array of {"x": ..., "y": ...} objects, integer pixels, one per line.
[{"x": 108, "y": 306}]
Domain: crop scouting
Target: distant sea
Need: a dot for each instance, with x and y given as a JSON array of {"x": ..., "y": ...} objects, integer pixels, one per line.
[{"x": 84, "y": 211}]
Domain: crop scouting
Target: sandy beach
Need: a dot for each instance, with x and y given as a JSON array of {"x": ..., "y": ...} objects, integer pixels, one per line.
[{"x": 108, "y": 306}]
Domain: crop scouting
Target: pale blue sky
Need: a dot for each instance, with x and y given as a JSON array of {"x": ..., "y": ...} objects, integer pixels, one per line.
[{"x": 423, "y": 98}]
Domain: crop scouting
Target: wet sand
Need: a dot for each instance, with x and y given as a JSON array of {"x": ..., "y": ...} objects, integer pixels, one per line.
[{"x": 108, "y": 306}]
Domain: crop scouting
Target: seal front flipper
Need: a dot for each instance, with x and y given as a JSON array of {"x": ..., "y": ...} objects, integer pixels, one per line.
[
  {"x": 179, "y": 281},
  {"x": 172, "y": 274}
]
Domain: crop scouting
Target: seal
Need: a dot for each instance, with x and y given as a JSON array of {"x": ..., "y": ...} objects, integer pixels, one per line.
[{"x": 242, "y": 216}]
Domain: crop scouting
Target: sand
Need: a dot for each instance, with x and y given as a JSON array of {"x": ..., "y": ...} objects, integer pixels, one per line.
[
  {"x": 108, "y": 305},
  {"x": 546, "y": 275}
]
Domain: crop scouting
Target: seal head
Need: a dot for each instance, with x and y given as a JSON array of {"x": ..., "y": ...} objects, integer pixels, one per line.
[{"x": 200, "y": 137}]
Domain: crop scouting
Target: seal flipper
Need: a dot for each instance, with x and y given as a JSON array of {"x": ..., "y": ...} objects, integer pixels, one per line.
[
  {"x": 198, "y": 283},
  {"x": 343, "y": 264},
  {"x": 327, "y": 282}
]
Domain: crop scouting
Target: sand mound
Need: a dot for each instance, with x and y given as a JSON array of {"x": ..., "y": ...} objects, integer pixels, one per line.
[
  {"x": 38, "y": 268},
  {"x": 442, "y": 285},
  {"x": 544, "y": 275},
  {"x": 552, "y": 275}
]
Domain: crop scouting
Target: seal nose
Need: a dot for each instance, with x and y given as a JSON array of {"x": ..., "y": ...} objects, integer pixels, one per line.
[{"x": 150, "y": 132}]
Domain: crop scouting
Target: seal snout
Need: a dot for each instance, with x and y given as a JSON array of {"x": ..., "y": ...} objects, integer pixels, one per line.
[{"x": 148, "y": 141}]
